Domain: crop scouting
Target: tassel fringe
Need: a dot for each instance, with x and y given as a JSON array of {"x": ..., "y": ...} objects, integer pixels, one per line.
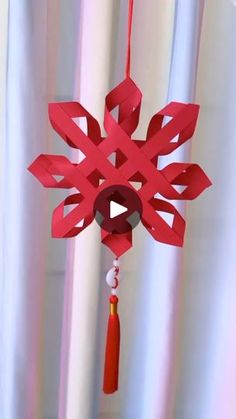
[{"x": 111, "y": 367}]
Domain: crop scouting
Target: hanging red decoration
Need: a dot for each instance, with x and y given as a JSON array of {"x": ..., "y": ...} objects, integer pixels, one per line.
[{"x": 135, "y": 161}]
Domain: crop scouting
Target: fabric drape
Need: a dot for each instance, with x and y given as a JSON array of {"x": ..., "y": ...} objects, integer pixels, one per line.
[{"x": 177, "y": 306}]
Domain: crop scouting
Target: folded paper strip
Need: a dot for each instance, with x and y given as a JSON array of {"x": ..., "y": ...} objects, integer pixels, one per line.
[{"x": 135, "y": 161}]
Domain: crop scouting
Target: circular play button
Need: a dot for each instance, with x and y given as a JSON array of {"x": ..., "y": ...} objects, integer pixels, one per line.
[{"x": 117, "y": 209}]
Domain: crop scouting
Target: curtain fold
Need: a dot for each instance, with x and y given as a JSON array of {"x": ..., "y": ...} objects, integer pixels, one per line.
[
  {"x": 206, "y": 373},
  {"x": 32, "y": 265},
  {"x": 161, "y": 264},
  {"x": 23, "y": 258},
  {"x": 91, "y": 85},
  {"x": 177, "y": 306}
]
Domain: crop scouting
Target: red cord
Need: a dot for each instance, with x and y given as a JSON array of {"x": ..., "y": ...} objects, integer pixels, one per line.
[{"x": 128, "y": 51}]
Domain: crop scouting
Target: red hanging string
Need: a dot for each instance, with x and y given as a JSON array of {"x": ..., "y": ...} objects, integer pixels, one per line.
[{"x": 128, "y": 50}]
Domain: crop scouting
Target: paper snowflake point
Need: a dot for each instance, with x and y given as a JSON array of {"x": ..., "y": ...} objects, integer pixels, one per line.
[{"x": 135, "y": 161}]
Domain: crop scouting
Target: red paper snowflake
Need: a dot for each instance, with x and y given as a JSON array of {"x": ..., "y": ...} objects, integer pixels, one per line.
[{"x": 136, "y": 161}]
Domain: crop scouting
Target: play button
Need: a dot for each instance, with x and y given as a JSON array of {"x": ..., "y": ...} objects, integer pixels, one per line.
[{"x": 117, "y": 209}]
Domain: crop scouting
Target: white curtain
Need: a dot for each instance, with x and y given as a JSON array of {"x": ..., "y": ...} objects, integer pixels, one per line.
[{"x": 177, "y": 306}]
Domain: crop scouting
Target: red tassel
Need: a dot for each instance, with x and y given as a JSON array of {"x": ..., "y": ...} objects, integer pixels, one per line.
[{"x": 111, "y": 368}]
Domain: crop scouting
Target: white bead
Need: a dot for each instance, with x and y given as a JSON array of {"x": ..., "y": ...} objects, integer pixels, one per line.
[
  {"x": 110, "y": 277},
  {"x": 116, "y": 263},
  {"x": 114, "y": 291}
]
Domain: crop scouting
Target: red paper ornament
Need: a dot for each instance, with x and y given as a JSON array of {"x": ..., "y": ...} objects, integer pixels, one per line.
[{"x": 135, "y": 161}]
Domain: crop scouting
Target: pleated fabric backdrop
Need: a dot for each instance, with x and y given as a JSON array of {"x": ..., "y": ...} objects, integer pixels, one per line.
[{"x": 178, "y": 306}]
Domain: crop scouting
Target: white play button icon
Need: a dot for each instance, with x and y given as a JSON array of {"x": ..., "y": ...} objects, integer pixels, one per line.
[{"x": 116, "y": 209}]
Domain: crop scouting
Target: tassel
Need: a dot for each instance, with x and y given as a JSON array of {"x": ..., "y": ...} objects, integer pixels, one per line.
[{"x": 111, "y": 368}]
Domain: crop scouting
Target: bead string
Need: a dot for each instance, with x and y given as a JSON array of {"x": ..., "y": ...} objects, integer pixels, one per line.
[{"x": 112, "y": 277}]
